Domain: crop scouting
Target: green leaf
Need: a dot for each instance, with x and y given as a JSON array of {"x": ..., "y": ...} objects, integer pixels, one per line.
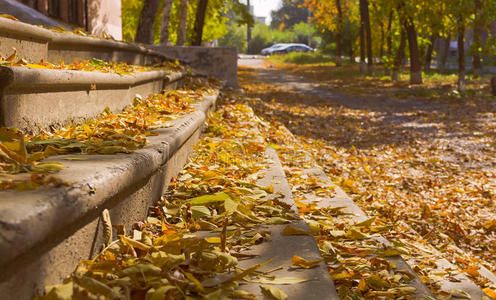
[
  {"x": 209, "y": 199},
  {"x": 230, "y": 205},
  {"x": 200, "y": 211}
]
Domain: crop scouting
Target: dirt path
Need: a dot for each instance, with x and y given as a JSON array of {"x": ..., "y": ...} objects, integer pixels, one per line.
[{"x": 431, "y": 164}]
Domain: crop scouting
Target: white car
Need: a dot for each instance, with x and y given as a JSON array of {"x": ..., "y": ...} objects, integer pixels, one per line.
[
  {"x": 271, "y": 49},
  {"x": 293, "y": 48}
]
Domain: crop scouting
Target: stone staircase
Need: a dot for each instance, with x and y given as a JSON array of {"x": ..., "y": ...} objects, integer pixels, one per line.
[{"x": 44, "y": 233}]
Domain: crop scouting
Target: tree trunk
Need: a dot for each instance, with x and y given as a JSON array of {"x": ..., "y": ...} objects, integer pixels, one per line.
[
  {"x": 400, "y": 56},
  {"x": 381, "y": 46},
  {"x": 338, "y": 34},
  {"x": 352, "y": 58},
  {"x": 428, "y": 55},
  {"x": 389, "y": 40},
  {"x": 415, "y": 65},
  {"x": 444, "y": 53},
  {"x": 478, "y": 23},
  {"x": 248, "y": 31},
  {"x": 164, "y": 31},
  {"x": 183, "y": 23},
  {"x": 199, "y": 22},
  {"x": 363, "y": 65},
  {"x": 365, "y": 21},
  {"x": 461, "y": 55},
  {"x": 145, "y": 27}
]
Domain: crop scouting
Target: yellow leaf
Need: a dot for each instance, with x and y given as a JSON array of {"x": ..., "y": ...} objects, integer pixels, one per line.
[
  {"x": 195, "y": 281},
  {"x": 304, "y": 263},
  {"x": 291, "y": 230},
  {"x": 355, "y": 234},
  {"x": 209, "y": 199},
  {"x": 377, "y": 282},
  {"x": 343, "y": 275},
  {"x": 213, "y": 240},
  {"x": 87, "y": 129},
  {"x": 35, "y": 66},
  {"x": 366, "y": 223},
  {"x": 491, "y": 293},
  {"x": 46, "y": 167},
  {"x": 362, "y": 285},
  {"x": 133, "y": 243},
  {"x": 274, "y": 292}
]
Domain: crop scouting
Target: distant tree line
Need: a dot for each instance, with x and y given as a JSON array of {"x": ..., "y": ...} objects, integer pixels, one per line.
[
  {"x": 392, "y": 31},
  {"x": 178, "y": 22}
]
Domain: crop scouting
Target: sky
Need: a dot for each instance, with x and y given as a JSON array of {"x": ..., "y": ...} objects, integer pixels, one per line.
[{"x": 264, "y": 7}]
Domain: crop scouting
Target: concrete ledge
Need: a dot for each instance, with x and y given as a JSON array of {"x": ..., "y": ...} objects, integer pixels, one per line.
[
  {"x": 51, "y": 230},
  {"x": 219, "y": 62},
  {"x": 34, "y": 43},
  {"x": 65, "y": 47},
  {"x": 34, "y": 98}
]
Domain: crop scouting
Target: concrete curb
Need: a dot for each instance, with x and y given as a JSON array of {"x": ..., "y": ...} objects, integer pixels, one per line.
[
  {"x": 53, "y": 229},
  {"x": 281, "y": 248},
  {"x": 341, "y": 199},
  {"x": 41, "y": 98}
]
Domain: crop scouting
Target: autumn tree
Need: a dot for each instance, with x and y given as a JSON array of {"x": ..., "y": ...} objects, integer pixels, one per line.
[
  {"x": 144, "y": 33},
  {"x": 335, "y": 16},
  {"x": 164, "y": 32},
  {"x": 183, "y": 23},
  {"x": 199, "y": 22},
  {"x": 339, "y": 32},
  {"x": 367, "y": 33}
]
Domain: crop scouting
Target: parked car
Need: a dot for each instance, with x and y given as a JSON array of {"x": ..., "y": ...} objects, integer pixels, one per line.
[
  {"x": 271, "y": 49},
  {"x": 292, "y": 48}
]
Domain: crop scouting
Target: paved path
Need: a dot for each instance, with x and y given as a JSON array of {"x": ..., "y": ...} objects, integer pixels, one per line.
[
  {"x": 448, "y": 142},
  {"x": 401, "y": 118}
]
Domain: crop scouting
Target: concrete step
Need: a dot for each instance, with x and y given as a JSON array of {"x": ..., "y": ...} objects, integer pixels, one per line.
[
  {"x": 34, "y": 99},
  {"x": 45, "y": 233},
  {"x": 34, "y": 44},
  {"x": 281, "y": 249}
]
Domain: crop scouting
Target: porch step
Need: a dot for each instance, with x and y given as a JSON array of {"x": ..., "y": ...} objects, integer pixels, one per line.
[
  {"x": 34, "y": 44},
  {"x": 46, "y": 232},
  {"x": 34, "y": 99}
]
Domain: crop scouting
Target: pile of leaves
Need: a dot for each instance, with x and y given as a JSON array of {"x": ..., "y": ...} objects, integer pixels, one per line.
[
  {"x": 90, "y": 65},
  {"x": 189, "y": 245},
  {"x": 108, "y": 133},
  {"x": 427, "y": 169}
]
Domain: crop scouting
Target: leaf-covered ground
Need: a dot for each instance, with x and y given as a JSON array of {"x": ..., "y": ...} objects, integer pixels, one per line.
[
  {"x": 90, "y": 65},
  {"x": 426, "y": 162},
  {"x": 188, "y": 248}
]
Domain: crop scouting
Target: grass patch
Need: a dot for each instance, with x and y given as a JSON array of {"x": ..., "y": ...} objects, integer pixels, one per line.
[
  {"x": 303, "y": 58},
  {"x": 350, "y": 80}
]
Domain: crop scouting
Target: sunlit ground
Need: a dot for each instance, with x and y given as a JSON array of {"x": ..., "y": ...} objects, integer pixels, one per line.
[{"x": 423, "y": 155}]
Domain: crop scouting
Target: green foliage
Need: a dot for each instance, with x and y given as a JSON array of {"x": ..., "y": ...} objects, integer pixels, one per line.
[
  {"x": 235, "y": 37},
  {"x": 290, "y": 13},
  {"x": 263, "y": 36},
  {"x": 130, "y": 11},
  {"x": 215, "y": 20},
  {"x": 302, "y": 58}
]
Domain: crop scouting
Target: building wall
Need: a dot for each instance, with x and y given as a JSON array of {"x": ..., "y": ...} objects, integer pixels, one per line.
[
  {"x": 105, "y": 16},
  {"x": 95, "y": 16}
]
